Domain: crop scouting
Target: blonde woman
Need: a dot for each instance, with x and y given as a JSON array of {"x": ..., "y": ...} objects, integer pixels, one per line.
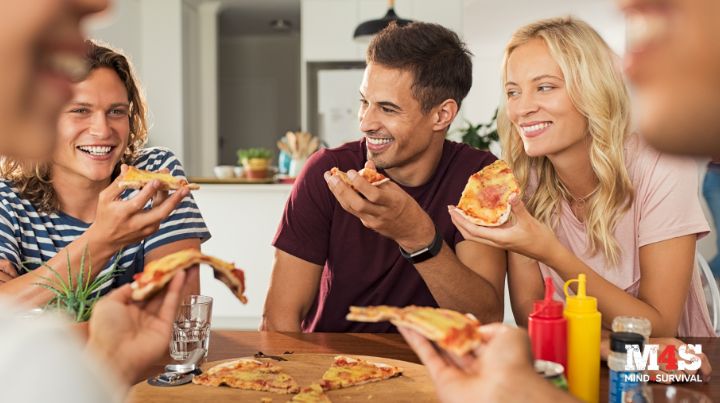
[
  {"x": 597, "y": 200},
  {"x": 50, "y": 213}
]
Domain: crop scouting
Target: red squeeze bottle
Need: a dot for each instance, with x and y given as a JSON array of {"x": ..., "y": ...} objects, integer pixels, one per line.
[{"x": 548, "y": 328}]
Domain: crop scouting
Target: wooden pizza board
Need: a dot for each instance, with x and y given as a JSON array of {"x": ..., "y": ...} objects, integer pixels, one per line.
[{"x": 414, "y": 386}]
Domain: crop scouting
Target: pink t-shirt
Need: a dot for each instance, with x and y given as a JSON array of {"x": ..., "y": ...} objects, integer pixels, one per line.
[{"x": 666, "y": 206}]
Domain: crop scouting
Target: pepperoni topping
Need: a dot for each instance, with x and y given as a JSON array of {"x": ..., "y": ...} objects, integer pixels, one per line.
[{"x": 491, "y": 196}]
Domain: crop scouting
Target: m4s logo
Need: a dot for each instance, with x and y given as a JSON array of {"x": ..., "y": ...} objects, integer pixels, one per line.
[{"x": 683, "y": 358}]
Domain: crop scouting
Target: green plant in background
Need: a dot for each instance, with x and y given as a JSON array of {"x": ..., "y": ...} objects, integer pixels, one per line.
[
  {"x": 254, "y": 153},
  {"x": 78, "y": 296},
  {"x": 480, "y": 135}
]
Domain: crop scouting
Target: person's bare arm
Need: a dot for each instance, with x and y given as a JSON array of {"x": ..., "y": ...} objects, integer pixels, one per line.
[
  {"x": 666, "y": 268},
  {"x": 525, "y": 284},
  {"x": 118, "y": 223},
  {"x": 192, "y": 282},
  {"x": 470, "y": 280},
  {"x": 293, "y": 287}
]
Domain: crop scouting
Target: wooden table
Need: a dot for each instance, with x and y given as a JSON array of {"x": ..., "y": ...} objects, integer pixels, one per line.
[{"x": 231, "y": 344}]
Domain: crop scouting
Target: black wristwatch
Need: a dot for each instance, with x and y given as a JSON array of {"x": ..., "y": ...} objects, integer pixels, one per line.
[{"x": 425, "y": 253}]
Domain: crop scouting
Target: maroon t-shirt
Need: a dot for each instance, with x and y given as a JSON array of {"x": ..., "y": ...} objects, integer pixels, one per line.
[{"x": 362, "y": 267}]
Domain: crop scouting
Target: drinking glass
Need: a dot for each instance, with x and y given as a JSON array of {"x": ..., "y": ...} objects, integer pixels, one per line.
[{"x": 191, "y": 329}]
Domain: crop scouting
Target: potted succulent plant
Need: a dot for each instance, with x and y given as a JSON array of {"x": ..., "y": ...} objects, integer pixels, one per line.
[
  {"x": 77, "y": 296},
  {"x": 256, "y": 162},
  {"x": 480, "y": 135}
]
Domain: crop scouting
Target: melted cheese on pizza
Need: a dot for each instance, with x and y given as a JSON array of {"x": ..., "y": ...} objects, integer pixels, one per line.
[
  {"x": 348, "y": 371},
  {"x": 486, "y": 196}
]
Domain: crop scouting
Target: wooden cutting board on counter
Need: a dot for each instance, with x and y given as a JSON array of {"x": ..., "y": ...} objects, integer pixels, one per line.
[{"x": 414, "y": 386}]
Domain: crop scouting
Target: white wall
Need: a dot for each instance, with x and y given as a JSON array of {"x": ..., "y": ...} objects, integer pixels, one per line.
[
  {"x": 118, "y": 27},
  {"x": 488, "y": 25},
  {"x": 161, "y": 29},
  {"x": 150, "y": 33},
  {"x": 259, "y": 91}
]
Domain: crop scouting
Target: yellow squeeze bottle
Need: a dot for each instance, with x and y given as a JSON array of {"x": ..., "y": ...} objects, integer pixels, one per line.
[{"x": 583, "y": 343}]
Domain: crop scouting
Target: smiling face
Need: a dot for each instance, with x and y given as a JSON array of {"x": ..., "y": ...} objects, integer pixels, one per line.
[
  {"x": 94, "y": 128},
  {"x": 673, "y": 62},
  {"x": 42, "y": 52},
  {"x": 538, "y": 104},
  {"x": 396, "y": 131}
]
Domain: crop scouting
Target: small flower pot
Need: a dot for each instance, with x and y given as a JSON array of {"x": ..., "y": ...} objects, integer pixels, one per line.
[{"x": 256, "y": 168}]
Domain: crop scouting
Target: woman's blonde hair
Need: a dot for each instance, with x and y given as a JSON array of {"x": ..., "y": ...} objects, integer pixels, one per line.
[
  {"x": 32, "y": 179},
  {"x": 596, "y": 89}
]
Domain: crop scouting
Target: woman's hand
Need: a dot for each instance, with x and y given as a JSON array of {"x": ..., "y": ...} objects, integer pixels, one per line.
[
  {"x": 121, "y": 222},
  {"x": 522, "y": 233}
]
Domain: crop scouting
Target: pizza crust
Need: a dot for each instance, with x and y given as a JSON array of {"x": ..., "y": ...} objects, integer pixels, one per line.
[
  {"x": 249, "y": 374},
  {"x": 347, "y": 371},
  {"x": 453, "y": 331},
  {"x": 135, "y": 178},
  {"x": 374, "y": 177},
  {"x": 478, "y": 221}
]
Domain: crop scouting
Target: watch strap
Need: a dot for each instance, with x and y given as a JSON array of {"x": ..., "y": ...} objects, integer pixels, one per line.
[{"x": 425, "y": 253}]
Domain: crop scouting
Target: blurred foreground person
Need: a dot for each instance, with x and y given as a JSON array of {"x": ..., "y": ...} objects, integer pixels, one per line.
[{"x": 42, "y": 53}]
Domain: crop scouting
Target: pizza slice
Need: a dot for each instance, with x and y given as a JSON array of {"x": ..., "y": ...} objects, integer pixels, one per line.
[
  {"x": 135, "y": 178},
  {"x": 486, "y": 198},
  {"x": 249, "y": 374},
  {"x": 311, "y": 394},
  {"x": 348, "y": 371},
  {"x": 374, "y": 177},
  {"x": 158, "y": 273},
  {"x": 451, "y": 330}
]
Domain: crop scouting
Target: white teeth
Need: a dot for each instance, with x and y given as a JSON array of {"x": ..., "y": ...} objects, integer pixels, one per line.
[
  {"x": 378, "y": 141},
  {"x": 536, "y": 127},
  {"x": 96, "y": 150},
  {"x": 70, "y": 64},
  {"x": 645, "y": 28}
]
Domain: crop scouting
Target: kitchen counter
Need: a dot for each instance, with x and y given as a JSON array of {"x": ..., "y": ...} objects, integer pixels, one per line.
[{"x": 242, "y": 219}]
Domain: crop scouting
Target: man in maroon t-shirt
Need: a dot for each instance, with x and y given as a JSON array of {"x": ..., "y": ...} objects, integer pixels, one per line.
[{"x": 392, "y": 244}]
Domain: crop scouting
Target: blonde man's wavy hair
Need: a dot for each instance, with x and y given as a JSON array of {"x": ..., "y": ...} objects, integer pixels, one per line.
[
  {"x": 596, "y": 89},
  {"x": 33, "y": 179}
]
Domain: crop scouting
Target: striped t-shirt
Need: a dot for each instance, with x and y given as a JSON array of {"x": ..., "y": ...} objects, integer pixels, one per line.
[{"x": 32, "y": 237}]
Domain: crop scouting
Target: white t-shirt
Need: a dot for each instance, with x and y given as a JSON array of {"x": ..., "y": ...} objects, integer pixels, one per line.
[{"x": 41, "y": 360}]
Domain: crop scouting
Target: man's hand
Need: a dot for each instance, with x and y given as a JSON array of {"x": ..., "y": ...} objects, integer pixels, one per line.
[
  {"x": 121, "y": 222},
  {"x": 129, "y": 336},
  {"x": 386, "y": 209},
  {"x": 492, "y": 371}
]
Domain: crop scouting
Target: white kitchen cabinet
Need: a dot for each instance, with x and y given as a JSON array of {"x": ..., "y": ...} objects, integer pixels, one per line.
[
  {"x": 327, "y": 26},
  {"x": 242, "y": 220},
  {"x": 323, "y": 25}
]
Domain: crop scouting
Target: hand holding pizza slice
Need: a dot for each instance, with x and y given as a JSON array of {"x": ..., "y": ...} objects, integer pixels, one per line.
[
  {"x": 135, "y": 178},
  {"x": 159, "y": 272},
  {"x": 451, "y": 330},
  {"x": 371, "y": 175},
  {"x": 486, "y": 198}
]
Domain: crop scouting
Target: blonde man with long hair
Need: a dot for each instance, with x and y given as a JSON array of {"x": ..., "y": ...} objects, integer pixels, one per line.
[
  {"x": 598, "y": 200},
  {"x": 53, "y": 212}
]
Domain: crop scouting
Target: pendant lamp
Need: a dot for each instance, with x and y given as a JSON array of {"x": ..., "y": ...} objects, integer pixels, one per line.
[{"x": 365, "y": 31}]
